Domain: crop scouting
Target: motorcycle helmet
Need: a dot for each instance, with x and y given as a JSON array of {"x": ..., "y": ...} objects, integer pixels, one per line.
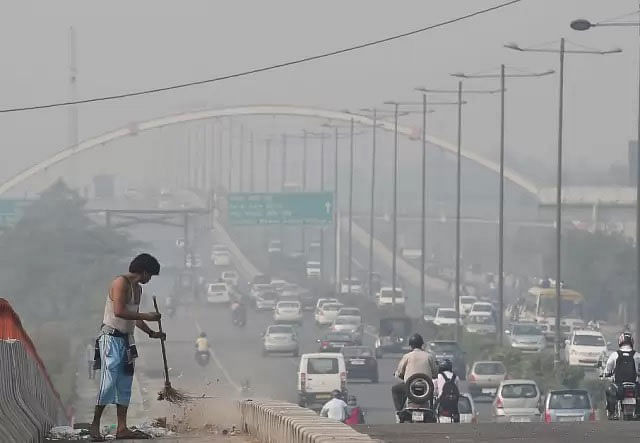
[
  {"x": 336, "y": 393},
  {"x": 416, "y": 341},
  {"x": 203, "y": 334},
  {"x": 625, "y": 339},
  {"x": 445, "y": 365}
]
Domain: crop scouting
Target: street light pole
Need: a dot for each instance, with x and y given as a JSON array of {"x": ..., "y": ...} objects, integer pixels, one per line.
[
  {"x": 283, "y": 172},
  {"x": 322, "y": 267},
  {"x": 267, "y": 166},
  {"x": 458, "y": 204},
  {"x": 349, "y": 264},
  {"x": 500, "y": 328},
  {"x": 230, "y": 156},
  {"x": 395, "y": 206},
  {"x": 372, "y": 201},
  {"x": 241, "y": 160},
  {"x": 336, "y": 213},
  {"x": 423, "y": 218},
  {"x": 251, "y": 161}
]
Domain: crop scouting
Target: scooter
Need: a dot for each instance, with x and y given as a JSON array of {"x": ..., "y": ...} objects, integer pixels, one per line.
[
  {"x": 203, "y": 358},
  {"x": 419, "y": 407}
]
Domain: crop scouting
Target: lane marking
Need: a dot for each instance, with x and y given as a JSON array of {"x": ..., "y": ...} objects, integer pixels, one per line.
[{"x": 218, "y": 363}]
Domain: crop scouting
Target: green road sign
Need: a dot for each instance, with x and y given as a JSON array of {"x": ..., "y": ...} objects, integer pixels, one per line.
[
  {"x": 286, "y": 208},
  {"x": 11, "y": 211}
]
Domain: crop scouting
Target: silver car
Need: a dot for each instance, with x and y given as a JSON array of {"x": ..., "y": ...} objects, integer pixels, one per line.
[
  {"x": 568, "y": 405},
  {"x": 517, "y": 401},
  {"x": 350, "y": 324},
  {"x": 526, "y": 337},
  {"x": 282, "y": 339}
]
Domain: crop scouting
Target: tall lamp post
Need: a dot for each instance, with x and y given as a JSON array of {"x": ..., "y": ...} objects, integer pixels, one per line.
[
  {"x": 502, "y": 76},
  {"x": 583, "y": 25},
  {"x": 561, "y": 51}
]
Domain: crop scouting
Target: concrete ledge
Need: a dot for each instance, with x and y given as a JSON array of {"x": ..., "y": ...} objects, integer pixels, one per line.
[{"x": 273, "y": 421}]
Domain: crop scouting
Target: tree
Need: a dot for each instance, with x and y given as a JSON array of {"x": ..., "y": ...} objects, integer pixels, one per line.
[{"x": 56, "y": 262}]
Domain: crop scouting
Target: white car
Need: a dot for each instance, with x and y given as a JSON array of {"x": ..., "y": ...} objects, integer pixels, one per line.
[
  {"x": 218, "y": 293},
  {"x": 430, "y": 310},
  {"x": 275, "y": 247},
  {"x": 445, "y": 317},
  {"x": 313, "y": 269},
  {"x": 318, "y": 375},
  {"x": 320, "y": 303},
  {"x": 386, "y": 298},
  {"x": 328, "y": 313},
  {"x": 288, "y": 312},
  {"x": 481, "y": 307},
  {"x": 352, "y": 325},
  {"x": 266, "y": 301},
  {"x": 466, "y": 303},
  {"x": 356, "y": 286},
  {"x": 351, "y": 313},
  {"x": 278, "y": 284},
  {"x": 259, "y": 288},
  {"x": 230, "y": 277},
  {"x": 219, "y": 248},
  {"x": 481, "y": 323},
  {"x": 221, "y": 258},
  {"x": 584, "y": 347}
]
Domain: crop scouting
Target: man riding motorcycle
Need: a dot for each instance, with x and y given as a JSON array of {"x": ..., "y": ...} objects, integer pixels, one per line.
[
  {"x": 202, "y": 348},
  {"x": 624, "y": 366},
  {"x": 416, "y": 361},
  {"x": 238, "y": 311},
  {"x": 447, "y": 391}
]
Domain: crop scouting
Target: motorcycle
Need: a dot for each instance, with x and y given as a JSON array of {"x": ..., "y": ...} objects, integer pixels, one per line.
[
  {"x": 202, "y": 358},
  {"x": 419, "y": 407},
  {"x": 239, "y": 317},
  {"x": 626, "y": 404}
]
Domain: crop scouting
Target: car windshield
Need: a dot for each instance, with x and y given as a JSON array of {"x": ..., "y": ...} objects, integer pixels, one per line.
[
  {"x": 446, "y": 313},
  {"x": 338, "y": 336},
  {"x": 468, "y": 300},
  {"x": 352, "y": 312},
  {"x": 444, "y": 347},
  {"x": 526, "y": 330},
  {"x": 569, "y": 400},
  {"x": 218, "y": 288},
  {"x": 288, "y": 305},
  {"x": 524, "y": 390},
  {"x": 280, "y": 329},
  {"x": 389, "y": 293},
  {"x": 322, "y": 366},
  {"x": 588, "y": 340},
  {"x": 481, "y": 308},
  {"x": 464, "y": 405},
  {"x": 489, "y": 368},
  {"x": 331, "y": 307},
  {"x": 357, "y": 352},
  {"x": 480, "y": 319}
]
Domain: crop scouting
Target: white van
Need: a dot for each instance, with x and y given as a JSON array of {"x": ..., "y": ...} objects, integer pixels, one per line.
[{"x": 318, "y": 375}]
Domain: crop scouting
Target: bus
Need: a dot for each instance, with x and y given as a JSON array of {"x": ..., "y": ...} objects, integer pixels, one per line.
[{"x": 540, "y": 307}]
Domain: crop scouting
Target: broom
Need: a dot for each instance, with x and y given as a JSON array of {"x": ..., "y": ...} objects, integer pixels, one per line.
[{"x": 169, "y": 393}]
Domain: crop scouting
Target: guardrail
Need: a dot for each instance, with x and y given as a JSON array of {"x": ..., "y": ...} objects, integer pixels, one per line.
[
  {"x": 273, "y": 421},
  {"x": 28, "y": 405}
]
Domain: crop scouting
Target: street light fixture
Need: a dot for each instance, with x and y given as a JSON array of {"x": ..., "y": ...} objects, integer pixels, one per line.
[
  {"x": 583, "y": 25},
  {"x": 502, "y": 76},
  {"x": 561, "y": 51}
]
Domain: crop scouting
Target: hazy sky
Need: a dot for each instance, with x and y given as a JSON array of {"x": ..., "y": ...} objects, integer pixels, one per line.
[{"x": 126, "y": 46}]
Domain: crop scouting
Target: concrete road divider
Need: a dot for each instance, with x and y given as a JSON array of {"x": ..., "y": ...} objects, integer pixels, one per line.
[
  {"x": 28, "y": 405},
  {"x": 272, "y": 421}
]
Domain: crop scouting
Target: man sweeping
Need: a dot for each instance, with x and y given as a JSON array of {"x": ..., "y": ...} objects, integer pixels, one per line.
[{"x": 117, "y": 350}]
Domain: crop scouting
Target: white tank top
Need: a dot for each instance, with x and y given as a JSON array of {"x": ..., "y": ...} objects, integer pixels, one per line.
[{"x": 122, "y": 325}]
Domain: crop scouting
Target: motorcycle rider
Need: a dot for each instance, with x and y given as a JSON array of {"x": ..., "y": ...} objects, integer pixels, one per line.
[
  {"x": 238, "y": 310},
  {"x": 202, "y": 348},
  {"x": 624, "y": 366},
  {"x": 416, "y": 361},
  {"x": 448, "y": 391}
]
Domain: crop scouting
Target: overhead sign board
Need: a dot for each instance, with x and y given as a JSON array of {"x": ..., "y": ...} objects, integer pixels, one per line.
[{"x": 286, "y": 208}]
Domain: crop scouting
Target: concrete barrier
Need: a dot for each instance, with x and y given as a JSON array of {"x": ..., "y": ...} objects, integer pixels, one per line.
[
  {"x": 273, "y": 421},
  {"x": 29, "y": 406}
]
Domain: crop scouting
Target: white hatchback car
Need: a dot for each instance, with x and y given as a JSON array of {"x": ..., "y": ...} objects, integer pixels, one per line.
[
  {"x": 288, "y": 312},
  {"x": 584, "y": 347},
  {"x": 328, "y": 313},
  {"x": 230, "y": 277},
  {"x": 218, "y": 293},
  {"x": 386, "y": 298},
  {"x": 445, "y": 317}
]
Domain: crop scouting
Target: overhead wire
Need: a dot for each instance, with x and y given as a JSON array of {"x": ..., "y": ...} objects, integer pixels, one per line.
[{"x": 263, "y": 68}]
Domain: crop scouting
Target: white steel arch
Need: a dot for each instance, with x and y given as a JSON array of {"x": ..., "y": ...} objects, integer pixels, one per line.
[{"x": 298, "y": 111}]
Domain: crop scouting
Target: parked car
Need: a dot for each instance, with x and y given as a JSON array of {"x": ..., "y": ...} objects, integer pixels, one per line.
[
  {"x": 583, "y": 348},
  {"x": 467, "y": 409},
  {"x": 281, "y": 339},
  {"x": 266, "y": 301},
  {"x": 430, "y": 310},
  {"x": 481, "y": 323},
  {"x": 335, "y": 341},
  {"x": 446, "y": 317},
  {"x": 485, "y": 377},
  {"x": 288, "y": 312},
  {"x": 361, "y": 362},
  {"x": 218, "y": 293},
  {"x": 526, "y": 337},
  {"x": 328, "y": 313},
  {"x": 517, "y": 401},
  {"x": 568, "y": 405},
  {"x": 386, "y": 298},
  {"x": 318, "y": 375},
  {"x": 450, "y": 350}
]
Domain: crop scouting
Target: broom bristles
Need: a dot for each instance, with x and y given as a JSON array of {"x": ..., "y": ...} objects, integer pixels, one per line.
[{"x": 173, "y": 395}]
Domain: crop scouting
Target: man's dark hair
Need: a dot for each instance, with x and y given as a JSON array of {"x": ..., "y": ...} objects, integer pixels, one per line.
[{"x": 145, "y": 263}]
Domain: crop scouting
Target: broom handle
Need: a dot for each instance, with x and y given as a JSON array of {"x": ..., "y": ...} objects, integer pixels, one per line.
[{"x": 164, "y": 351}]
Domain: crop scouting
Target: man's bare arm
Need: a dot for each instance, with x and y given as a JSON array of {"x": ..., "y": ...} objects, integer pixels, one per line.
[{"x": 119, "y": 289}]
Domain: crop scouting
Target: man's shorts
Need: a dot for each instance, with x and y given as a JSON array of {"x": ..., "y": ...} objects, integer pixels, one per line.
[{"x": 115, "y": 382}]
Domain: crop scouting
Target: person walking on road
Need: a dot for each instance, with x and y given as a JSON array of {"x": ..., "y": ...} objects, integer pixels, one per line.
[{"x": 117, "y": 346}]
